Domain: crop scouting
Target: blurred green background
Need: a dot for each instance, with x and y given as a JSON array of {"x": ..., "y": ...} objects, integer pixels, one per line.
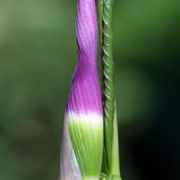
[{"x": 37, "y": 58}]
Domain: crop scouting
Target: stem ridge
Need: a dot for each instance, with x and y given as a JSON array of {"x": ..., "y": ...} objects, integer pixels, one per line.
[{"x": 108, "y": 76}]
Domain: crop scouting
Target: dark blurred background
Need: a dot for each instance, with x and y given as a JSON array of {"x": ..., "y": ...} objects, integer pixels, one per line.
[{"x": 37, "y": 58}]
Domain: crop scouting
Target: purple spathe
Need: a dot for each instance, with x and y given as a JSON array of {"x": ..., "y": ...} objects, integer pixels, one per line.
[{"x": 84, "y": 94}]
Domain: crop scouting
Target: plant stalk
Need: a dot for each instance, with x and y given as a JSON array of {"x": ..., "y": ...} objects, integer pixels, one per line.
[{"x": 110, "y": 117}]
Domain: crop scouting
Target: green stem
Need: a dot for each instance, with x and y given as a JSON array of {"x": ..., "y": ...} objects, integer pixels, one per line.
[
  {"x": 111, "y": 126},
  {"x": 108, "y": 72},
  {"x": 99, "y": 6}
]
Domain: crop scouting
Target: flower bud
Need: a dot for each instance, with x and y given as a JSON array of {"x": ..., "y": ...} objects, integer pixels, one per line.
[{"x": 82, "y": 143}]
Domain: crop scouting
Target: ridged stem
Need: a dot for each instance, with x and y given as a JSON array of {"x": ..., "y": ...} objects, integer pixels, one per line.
[{"x": 111, "y": 126}]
